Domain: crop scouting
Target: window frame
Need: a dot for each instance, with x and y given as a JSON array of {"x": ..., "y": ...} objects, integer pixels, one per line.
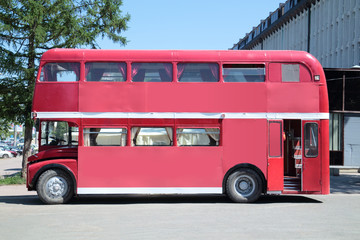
[
  {"x": 219, "y": 71},
  {"x": 197, "y": 127},
  {"x": 307, "y": 145},
  {"x": 105, "y": 127},
  {"x": 130, "y": 70},
  {"x": 111, "y": 82},
  {"x": 45, "y": 135},
  {"x": 132, "y": 139},
  {"x": 42, "y": 67},
  {"x": 245, "y": 63}
]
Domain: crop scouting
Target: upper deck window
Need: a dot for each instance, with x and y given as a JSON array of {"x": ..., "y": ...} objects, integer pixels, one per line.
[
  {"x": 105, "y": 72},
  {"x": 243, "y": 72},
  {"x": 151, "y": 72},
  {"x": 60, "y": 72},
  {"x": 198, "y": 72}
]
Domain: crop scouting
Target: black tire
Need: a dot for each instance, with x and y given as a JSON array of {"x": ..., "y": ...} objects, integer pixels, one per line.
[
  {"x": 244, "y": 186},
  {"x": 54, "y": 186},
  {"x": 5, "y": 156}
]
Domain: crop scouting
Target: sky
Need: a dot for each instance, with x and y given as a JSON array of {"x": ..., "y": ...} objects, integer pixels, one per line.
[{"x": 190, "y": 24}]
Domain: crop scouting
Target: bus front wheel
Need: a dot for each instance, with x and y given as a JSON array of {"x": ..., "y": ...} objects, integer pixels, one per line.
[
  {"x": 55, "y": 187},
  {"x": 244, "y": 186}
]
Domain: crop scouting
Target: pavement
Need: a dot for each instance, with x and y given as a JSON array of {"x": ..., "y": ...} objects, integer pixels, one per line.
[{"x": 347, "y": 183}]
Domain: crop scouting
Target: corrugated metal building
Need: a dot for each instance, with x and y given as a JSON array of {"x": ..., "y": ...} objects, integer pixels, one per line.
[{"x": 329, "y": 30}]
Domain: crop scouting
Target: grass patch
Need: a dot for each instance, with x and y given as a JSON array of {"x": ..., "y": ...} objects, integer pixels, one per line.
[{"x": 15, "y": 179}]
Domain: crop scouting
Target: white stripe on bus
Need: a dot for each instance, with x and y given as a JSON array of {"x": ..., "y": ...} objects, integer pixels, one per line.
[
  {"x": 139, "y": 190},
  {"x": 183, "y": 115}
]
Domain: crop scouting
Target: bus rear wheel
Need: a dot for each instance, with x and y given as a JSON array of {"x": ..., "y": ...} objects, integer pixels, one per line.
[
  {"x": 55, "y": 187},
  {"x": 244, "y": 186}
]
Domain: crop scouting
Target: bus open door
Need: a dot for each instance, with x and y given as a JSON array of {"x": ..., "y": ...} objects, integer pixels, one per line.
[
  {"x": 275, "y": 176},
  {"x": 311, "y": 165}
]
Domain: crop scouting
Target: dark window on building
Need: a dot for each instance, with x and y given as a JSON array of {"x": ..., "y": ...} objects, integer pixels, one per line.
[{"x": 352, "y": 91}]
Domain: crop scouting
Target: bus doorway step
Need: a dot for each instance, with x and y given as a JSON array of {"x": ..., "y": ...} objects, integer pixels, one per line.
[{"x": 292, "y": 183}]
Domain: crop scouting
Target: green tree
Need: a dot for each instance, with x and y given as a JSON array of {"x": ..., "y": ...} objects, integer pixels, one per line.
[{"x": 30, "y": 27}]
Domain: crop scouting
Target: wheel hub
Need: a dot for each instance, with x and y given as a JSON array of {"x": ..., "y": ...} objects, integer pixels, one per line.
[
  {"x": 56, "y": 186},
  {"x": 245, "y": 185}
]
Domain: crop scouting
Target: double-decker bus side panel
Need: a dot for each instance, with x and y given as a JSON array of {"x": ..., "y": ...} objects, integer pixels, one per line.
[{"x": 245, "y": 142}]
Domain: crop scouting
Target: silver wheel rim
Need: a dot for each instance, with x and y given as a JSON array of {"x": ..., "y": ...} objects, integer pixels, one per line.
[
  {"x": 56, "y": 187},
  {"x": 244, "y": 185}
]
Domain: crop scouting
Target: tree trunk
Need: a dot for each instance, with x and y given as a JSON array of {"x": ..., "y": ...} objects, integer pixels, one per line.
[{"x": 27, "y": 147}]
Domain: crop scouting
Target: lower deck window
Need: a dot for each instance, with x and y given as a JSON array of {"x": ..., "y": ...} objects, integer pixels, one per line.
[
  {"x": 105, "y": 136},
  {"x": 198, "y": 136},
  {"x": 152, "y": 136},
  {"x": 59, "y": 133}
]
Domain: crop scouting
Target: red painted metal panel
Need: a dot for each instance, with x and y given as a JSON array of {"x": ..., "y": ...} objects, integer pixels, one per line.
[
  {"x": 150, "y": 167},
  {"x": 56, "y": 97},
  {"x": 245, "y": 141},
  {"x": 290, "y": 97},
  {"x": 188, "y": 97},
  {"x": 33, "y": 168},
  {"x": 311, "y": 169},
  {"x": 172, "y": 97},
  {"x": 324, "y": 149},
  {"x": 275, "y": 175}
]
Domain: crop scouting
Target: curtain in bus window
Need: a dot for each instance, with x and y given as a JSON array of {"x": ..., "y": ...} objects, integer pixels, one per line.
[
  {"x": 149, "y": 136},
  {"x": 105, "y": 72},
  {"x": 168, "y": 69},
  {"x": 180, "y": 70},
  {"x": 122, "y": 69},
  {"x": 198, "y": 72},
  {"x": 76, "y": 69},
  {"x": 215, "y": 71},
  {"x": 135, "y": 69},
  {"x": 213, "y": 133},
  {"x": 134, "y": 134},
  {"x": 198, "y": 136},
  {"x": 105, "y": 136},
  {"x": 151, "y": 72},
  {"x": 60, "y": 72},
  {"x": 88, "y": 66}
]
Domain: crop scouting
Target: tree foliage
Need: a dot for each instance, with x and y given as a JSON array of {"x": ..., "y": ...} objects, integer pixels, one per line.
[{"x": 30, "y": 27}]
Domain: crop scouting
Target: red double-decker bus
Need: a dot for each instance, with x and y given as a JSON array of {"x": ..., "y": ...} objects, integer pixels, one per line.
[{"x": 241, "y": 123}]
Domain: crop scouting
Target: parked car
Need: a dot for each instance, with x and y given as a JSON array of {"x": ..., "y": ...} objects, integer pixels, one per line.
[
  {"x": 17, "y": 150},
  {"x": 5, "y": 154},
  {"x": 10, "y": 149}
]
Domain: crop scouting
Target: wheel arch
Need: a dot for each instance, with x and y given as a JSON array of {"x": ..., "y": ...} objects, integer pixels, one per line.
[
  {"x": 248, "y": 166},
  {"x": 54, "y": 166}
]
